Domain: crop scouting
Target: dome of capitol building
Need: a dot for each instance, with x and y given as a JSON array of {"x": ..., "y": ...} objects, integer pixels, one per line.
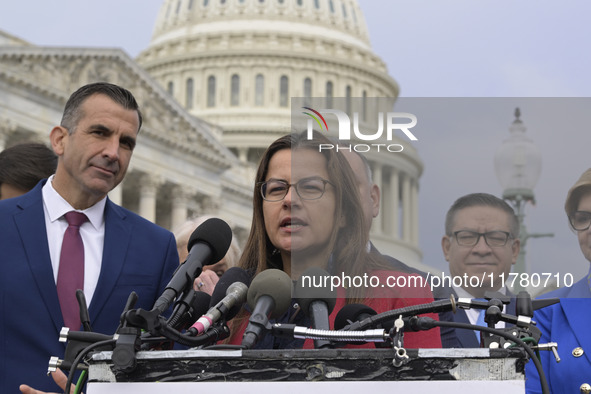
[
  {"x": 226, "y": 72},
  {"x": 236, "y": 63}
]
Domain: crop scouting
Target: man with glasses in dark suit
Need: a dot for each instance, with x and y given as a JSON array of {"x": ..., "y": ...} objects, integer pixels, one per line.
[{"x": 480, "y": 244}]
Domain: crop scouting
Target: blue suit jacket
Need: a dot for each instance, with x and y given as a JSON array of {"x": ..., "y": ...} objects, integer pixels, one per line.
[
  {"x": 137, "y": 256},
  {"x": 566, "y": 323}
]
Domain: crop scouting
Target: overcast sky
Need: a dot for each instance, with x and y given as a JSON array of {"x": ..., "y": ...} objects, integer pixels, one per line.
[{"x": 451, "y": 48}]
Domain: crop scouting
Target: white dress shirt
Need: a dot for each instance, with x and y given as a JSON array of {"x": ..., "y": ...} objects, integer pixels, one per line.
[{"x": 92, "y": 232}]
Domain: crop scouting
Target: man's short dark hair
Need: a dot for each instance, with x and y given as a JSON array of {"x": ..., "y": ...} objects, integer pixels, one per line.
[
  {"x": 73, "y": 111},
  {"x": 24, "y": 165},
  {"x": 480, "y": 200}
]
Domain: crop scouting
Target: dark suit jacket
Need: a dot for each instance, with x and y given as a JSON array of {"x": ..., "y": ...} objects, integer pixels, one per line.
[
  {"x": 137, "y": 255},
  {"x": 566, "y": 323},
  {"x": 461, "y": 338}
]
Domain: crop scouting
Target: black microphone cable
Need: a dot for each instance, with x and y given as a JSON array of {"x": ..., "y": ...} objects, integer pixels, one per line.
[
  {"x": 426, "y": 323},
  {"x": 412, "y": 310},
  {"x": 213, "y": 334},
  {"x": 79, "y": 358}
]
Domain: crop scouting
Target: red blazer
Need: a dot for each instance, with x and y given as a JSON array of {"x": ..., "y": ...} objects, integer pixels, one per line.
[{"x": 384, "y": 297}]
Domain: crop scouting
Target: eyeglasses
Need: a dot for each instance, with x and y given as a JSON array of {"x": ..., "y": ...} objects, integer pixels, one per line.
[
  {"x": 307, "y": 189},
  {"x": 580, "y": 220},
  {"x": 492, "y": 238}
]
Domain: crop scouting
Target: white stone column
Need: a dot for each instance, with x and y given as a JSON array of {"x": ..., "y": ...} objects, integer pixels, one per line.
[
  {"x": 210, "y": 205},
  {"x": 378, "y": 225},
  {"x": 395, "y": 201},
  {"x": 180, "y": 198},
  {"x": 406, "y": 208},
  {"x": 415, "y": 211},
  {"x": 3, "y": 138},
  {"x": 148, "y": 190},
  {"x": 7, "y": 128},
  {"x": 243, "y": 154}
]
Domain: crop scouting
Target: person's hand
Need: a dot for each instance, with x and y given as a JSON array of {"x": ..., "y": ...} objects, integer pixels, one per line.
[
  {"x": 206, "y": 282},
  {"x": 59, "y": 378}
]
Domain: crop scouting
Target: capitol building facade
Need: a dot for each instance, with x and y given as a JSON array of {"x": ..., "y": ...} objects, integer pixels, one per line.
[{"x": 215, "y": 86}]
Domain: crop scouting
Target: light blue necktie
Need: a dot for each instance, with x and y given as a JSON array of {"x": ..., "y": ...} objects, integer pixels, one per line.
[{"x": 480, "y": 320}]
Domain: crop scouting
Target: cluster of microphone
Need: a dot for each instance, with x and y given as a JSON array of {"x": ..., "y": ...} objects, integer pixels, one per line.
[
  {"x": 268, "y": 296},
  {"x": 198, "y": 319}
]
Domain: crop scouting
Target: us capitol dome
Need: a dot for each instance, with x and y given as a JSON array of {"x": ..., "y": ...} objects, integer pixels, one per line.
[
  {"x": 237, "y": 63},
  {"x": 216, "y": 84}
]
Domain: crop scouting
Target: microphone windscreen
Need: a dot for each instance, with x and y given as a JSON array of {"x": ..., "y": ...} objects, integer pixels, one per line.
[
  {"x": 523, "y": 305},
  {"x": 351, "y": 313},
  {"x": 200, "y": 304},
  {"x": 214, "y": 232},
  {"x": 275, "y": 284},
  {"x": 315, "y": 285},
  {"x": 232, "y": 275}
]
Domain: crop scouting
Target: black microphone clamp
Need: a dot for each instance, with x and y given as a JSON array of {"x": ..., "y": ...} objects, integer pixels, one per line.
[
  {"x": 126, "y": 347},
  {"x": 77, "y": 341},
  {"x": 259, "y": 324}
]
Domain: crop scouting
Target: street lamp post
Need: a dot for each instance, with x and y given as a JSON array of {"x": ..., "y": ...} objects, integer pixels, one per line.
[{"x": 518, "y": 163}]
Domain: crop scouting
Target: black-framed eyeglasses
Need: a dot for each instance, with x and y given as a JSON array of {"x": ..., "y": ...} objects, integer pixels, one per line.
[
  {"x": 307, "y": 189},
  {"x": 580, "y": 220},
  {"x": 492, "y": 238}
]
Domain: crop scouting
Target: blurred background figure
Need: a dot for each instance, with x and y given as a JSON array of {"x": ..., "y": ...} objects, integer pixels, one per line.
[
  {"x": 22, "y": 166},
  {"x": 211, "y": 273}
]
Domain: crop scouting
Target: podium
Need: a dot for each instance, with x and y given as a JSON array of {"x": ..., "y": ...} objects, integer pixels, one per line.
[{"x": 313, "y": 371}]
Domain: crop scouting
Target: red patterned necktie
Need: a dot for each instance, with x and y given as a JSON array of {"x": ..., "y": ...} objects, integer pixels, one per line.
[{"x": 70, "y": 275}]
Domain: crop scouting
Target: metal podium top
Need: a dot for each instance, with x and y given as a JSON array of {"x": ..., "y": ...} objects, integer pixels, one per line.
[{"x": 314, "y": 365}]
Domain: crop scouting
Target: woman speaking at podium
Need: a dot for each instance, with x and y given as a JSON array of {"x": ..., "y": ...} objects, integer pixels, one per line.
[{"x": 307, "y": 213}]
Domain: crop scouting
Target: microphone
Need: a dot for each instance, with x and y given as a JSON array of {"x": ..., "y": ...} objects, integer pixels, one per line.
[
  {"x": 269, "y": 296},
  {"x": 317, "y": 302},
  {"x": 544, "y": 302},
  {"x": 523, "y": 305},
  {"x": 189, "y": 308},
  {"x": 351, "y": 313},
  {"x": 83, "y": 307},
  {"x": 233, "y": 274},
  {"x": 207, "y": 245},
  {"x": 235, "y": 296}
]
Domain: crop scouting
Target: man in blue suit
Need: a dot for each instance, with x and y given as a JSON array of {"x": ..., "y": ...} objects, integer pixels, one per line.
[
  {"x": 480, "y": 241},
  {"x": 122, "y": 252}
]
